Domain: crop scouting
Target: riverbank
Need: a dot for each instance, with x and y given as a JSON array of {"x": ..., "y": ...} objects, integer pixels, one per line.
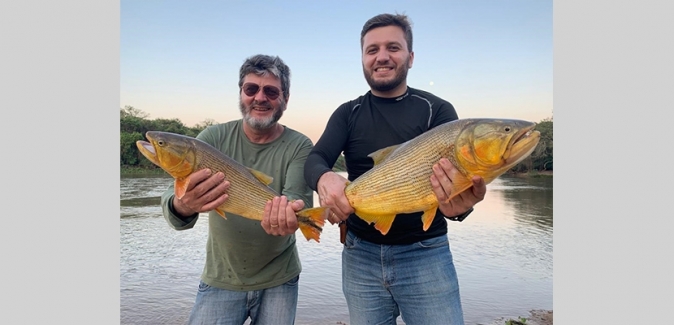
[
  {"x": 535, "y": 317},
  {"x": 535, "y": 173},
  {"x": 139, "y": 171}
]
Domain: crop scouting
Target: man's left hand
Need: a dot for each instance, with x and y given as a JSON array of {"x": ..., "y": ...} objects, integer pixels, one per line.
[
  {"x": 441, "y": 181},
  {"x": 279, "y": 216}
]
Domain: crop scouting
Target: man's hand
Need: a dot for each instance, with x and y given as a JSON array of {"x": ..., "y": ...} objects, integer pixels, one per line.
[
  {"x": 330, "y": 190},
  {"x": 205, "y": 192},
  {"x": 279, "y": 216},
  {"x": 441, "y": 181}
]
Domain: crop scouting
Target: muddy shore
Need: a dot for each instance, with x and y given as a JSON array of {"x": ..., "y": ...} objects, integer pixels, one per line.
[{"x": 535, "y": 317}]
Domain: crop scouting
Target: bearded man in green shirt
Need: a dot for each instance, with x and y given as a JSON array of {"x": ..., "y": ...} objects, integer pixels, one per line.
[{"x": 252, "y": 267}]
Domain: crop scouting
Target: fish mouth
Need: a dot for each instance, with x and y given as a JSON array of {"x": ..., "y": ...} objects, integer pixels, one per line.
[
  {"x": 147, "y": 149},
  {"x": 522, "y": 144}
]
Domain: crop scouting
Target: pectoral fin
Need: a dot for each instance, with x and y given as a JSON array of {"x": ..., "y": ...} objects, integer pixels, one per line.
[
  {"x": 180, "y": 187},
  {"x": 428, "y": 216},
  {"x": 381, "y": 222},
  {"x": 460, "y": 183}
]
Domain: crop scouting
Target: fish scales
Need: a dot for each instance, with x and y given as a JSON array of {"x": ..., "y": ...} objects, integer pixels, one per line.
[
  {"x": 248, "y": 193},
  {"x": 404, "y": 175},
  {"x": 248, "y": 196},
  {"x": 399, "y": 182}
]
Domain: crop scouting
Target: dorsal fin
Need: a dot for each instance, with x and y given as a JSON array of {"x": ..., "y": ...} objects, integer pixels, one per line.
[
  {"x": 381, "y": 154},
  {"x": 262, "y": 177}
]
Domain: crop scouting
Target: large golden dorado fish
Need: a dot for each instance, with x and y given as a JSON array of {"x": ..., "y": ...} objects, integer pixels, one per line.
[
  {"x": 399, "y": 182},
  {"x": 249, "y": 192}
]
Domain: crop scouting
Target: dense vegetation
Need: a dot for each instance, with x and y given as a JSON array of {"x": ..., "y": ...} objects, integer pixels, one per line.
[
  {"x": 134, "y": 123},
  {"x": 541, "y": 158}
]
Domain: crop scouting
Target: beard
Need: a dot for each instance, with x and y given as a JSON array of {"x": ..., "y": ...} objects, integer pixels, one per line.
[
  {"x": 261, "y": 123},
  {"x": 387, "y": 85}
]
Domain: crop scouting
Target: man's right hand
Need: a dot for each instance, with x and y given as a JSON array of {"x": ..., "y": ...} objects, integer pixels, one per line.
[
  {"x": 205, "y": 192},
  {"x": 330, "y": 190}
]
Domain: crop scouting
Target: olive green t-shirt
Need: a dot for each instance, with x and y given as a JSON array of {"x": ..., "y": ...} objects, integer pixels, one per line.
[{"x": 240, "y": 255}]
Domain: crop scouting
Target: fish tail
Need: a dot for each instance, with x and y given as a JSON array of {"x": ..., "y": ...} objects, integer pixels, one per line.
[{"x": 311, "y": 222}]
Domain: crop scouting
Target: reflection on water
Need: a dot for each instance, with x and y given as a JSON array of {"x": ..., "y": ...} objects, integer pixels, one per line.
[{"x": 502, "y": 252}]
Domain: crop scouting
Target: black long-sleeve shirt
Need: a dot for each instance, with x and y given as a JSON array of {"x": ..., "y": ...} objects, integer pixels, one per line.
[{"x": 365, "y": 125}]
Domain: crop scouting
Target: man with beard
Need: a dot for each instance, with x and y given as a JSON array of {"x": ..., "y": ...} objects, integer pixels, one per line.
[
  {"x": 409, "y": 271},
  {"x": 252, "y": 267}
]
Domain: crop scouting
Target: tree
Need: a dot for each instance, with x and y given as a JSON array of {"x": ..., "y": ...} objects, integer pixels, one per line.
[
  {"x": 543, "y": 154},
  {"x": 128, "y": 151},
  {"x": 541, "y": 158},
  {"x": 205, "y": 123},
  {"x": 133, "y": 112},
  {"x": 168, "y": 125}
]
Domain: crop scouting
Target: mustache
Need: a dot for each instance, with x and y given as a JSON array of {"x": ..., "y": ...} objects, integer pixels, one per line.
[{"x": 256, "y": 104}]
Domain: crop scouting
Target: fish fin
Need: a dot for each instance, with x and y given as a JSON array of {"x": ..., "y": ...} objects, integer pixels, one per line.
[
  {"x": 381, "y": 154},
  {"x": 180, "y": 187},
  {"x": 381, "y": 222},
  {"x": 428, "y": 216},
  {"x": 311, "y": 222},
  {"x": 460, "y": 183},
  {"x": 221, "y": 212},
  {"x": 262, "y": 177}
]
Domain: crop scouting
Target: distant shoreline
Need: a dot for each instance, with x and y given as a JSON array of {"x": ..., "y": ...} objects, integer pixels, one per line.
[
  {"x": 138, "y": 171},
  {"x": 535, "y": 173}
]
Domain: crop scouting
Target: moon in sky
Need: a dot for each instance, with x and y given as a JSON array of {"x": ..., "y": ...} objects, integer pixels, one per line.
[{"x": 430, "y": 83}]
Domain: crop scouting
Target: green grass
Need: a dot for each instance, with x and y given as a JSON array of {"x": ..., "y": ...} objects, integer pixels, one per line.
[{"x": 521, "y": 321}]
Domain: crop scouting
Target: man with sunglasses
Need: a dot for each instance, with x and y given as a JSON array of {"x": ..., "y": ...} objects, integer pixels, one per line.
[
  {"x": 409, "y": 271},
  {"x": 252, "y": 268}
]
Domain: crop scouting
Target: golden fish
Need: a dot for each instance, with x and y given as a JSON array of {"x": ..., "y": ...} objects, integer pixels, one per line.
[
  {"x": 249, "y": 192},
  {"x": 400, "y": 180}
]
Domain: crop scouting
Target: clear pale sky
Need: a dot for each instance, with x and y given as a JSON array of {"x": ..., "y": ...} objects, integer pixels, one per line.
[{"x": 180, "y": 59}]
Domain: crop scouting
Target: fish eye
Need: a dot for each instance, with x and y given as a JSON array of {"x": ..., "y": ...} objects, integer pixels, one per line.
[
  {"x": 160, "y": 142},
  {"x": 507, "y": 129}
]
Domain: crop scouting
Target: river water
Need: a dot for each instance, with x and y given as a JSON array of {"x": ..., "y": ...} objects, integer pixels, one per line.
[{"x": 502, "y": 253}]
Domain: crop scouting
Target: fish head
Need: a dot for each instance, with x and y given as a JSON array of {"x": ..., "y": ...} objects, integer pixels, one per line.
[
  {"x": 174, "y": 153},
  {"x": 489, "y": 147}
]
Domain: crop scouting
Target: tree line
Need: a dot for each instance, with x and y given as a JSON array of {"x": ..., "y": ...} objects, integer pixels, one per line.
[{"x": 134, "y": 123}]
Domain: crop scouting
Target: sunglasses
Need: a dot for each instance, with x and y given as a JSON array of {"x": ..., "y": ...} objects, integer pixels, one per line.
[{"x": 251, "y": 89}]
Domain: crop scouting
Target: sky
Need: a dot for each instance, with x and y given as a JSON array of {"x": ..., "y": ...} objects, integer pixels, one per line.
[{"x": 181, "y": 59}]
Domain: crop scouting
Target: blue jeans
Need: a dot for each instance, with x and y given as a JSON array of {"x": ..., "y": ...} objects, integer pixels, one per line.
[
  {"x": 381, "y": 282},
  {"x": 215, "y": 306}
]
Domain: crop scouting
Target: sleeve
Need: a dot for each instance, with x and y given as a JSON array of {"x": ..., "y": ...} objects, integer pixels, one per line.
[
  {"x": 295, "y": 187},
  {"x": 328, "y": 148},
  {"x": 167, "y": 200},
  {"x": 170, "y": 215},
  {"x": 443, "y": 113}
]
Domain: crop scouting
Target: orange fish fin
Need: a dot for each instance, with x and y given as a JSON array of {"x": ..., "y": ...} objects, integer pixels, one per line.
[
  {"x": 311, "y": 222},
  {"x": 221, "y": 212},
  {"x": 381, "y": 222},
  {"x": 180, "y": 187},
  {"x": 428, "y": 216},
  {"x": 381, "y": 154},
  {"x": 460, "y": 183},
  {"x": 262, "y": 177}
]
